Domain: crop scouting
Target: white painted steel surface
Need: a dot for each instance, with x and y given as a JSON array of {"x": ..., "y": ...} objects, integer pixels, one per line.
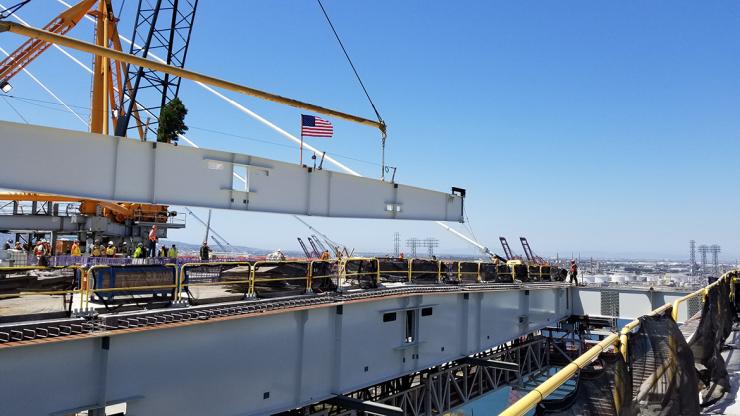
[
  {"x": 267, "y": 363},
  {"x": 633, "y": 302},
  {"x": 128, "y": 170}
]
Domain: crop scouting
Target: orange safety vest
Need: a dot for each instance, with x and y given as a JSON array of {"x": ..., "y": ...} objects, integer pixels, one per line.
[{"x": 153, "y": 234}]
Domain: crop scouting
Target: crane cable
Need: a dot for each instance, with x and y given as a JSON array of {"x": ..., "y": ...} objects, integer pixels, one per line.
[
  {"x": 362, "y": 84},
  {"x": 12, "y": 9}
]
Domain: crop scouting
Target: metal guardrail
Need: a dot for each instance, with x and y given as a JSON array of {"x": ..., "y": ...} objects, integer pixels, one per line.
[{"x": 534, "y": 397}]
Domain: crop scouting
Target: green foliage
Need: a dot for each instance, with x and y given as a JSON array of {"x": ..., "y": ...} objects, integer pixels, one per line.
[{"x": 172, "y": 121}]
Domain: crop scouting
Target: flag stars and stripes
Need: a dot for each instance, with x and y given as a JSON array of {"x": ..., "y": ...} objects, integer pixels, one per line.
[{"x": 313, "y": 126}]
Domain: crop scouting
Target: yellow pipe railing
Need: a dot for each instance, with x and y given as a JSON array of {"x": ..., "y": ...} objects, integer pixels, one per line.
[{"x": 534, "y": 397}]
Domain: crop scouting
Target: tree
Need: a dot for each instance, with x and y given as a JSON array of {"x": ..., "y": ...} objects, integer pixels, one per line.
[{"x": 172, "y": 121}]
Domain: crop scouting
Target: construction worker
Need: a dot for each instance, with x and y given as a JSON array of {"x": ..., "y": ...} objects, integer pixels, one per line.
[
  {"x": 139, "y": 252},
  {"x": 96, "y": 251},
  {"x": 205, "y": 251},
  {"x": 110, "y": 251},
  {"x": 573, "y": 272},
  {"x": 8, "y": 244},
  {"x": 40, "y": 252},
  {"x": 75, "y": 250},
  {"x": 19, "y": 246},
  {"x": 400, "y": 255},
  {"x": 172, "y": 253},
  {"x": 153, "y": 241},
  {"x": 162, "y": 251},
  {"x": 324, "y": 255}
]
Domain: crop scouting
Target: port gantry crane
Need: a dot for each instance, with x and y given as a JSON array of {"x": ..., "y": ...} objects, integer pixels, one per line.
[{"x": 531, "y": 257}]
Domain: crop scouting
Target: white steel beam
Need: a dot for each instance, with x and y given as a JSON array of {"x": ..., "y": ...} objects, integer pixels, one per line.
[{"x": 87, "y": 165}]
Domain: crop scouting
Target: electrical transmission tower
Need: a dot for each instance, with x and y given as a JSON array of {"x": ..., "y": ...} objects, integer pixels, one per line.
[
  {"x": 412, "y": 244},
  {"x": 396, "y": 244},
  {"x": 703, "y": 250},
  {"x": 692, "y": 258},
  {"x": 431, "y": 243},
  {"x": 715, "y": 250},
  {"x": 162, "y": 28}
]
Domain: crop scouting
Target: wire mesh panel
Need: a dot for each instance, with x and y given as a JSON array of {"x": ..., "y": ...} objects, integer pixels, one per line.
[
  {"x": 694, "y": 305},
  {"x": 36, "y": 293},
  {"x": 534, "y": 273},
  {"x": 546, "y": 273},
  {"x": 216, "y": 282},
  {"x": 359, "y": 273},
  {"x": 504, "y": 273},
  {"x": 467, "y": 271},
  {"x": 425, "y": 271},
  {"x": 324, "y": 276},
  {"x": 393, "y": 270},
  {"x": 449, "y": 272},
  {"x": 280, "y": 278},
  {"x": 609, "y": 303},
  {"x": 663, "y": 377},
  {"x": 603, "y": 389},
  {"x": 520, "y": 272}
]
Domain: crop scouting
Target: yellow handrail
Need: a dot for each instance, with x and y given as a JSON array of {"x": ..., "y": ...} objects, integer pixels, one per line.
[{"x": 531, "y": 399}]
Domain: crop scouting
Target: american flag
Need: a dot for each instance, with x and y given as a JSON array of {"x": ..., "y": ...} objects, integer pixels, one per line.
[{"x": 313, "y": 126}]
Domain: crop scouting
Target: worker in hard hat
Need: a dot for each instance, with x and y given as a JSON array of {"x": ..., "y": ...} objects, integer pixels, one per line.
[
  {"x": 153, "y": 241},
  {"x": 573, "y": 272},
  {"x": 172, "y": 253},
  {"x": 110, "y": 251},
  {"x": 40, "y": 252},
  {"x": 75, "y": 250},
  {"x": 139, "y": 252},
  {"x": 205, "y": 252}
]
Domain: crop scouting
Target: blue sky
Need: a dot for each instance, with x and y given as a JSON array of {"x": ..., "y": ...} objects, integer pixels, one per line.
[{"x": 605, "y": 128}]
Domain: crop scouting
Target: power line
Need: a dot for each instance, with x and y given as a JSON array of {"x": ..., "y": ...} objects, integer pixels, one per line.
[
  {"x": 14, "y": 109},
  {"x": 35, "y": 100}
]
